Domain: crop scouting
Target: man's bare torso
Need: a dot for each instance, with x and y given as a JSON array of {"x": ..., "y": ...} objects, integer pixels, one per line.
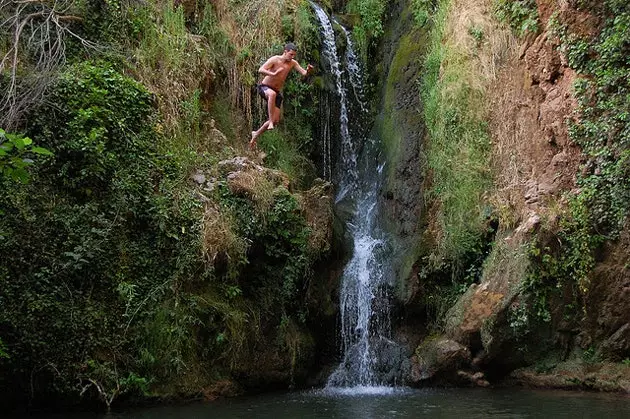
[{"x": 278, "y": 63}]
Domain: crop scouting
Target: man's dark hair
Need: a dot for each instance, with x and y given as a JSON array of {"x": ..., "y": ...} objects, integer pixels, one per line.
[{"x": 290, "y": 46}]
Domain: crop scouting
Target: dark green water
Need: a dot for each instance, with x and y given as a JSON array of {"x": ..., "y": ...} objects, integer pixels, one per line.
[{"x": 425, "y": 403}]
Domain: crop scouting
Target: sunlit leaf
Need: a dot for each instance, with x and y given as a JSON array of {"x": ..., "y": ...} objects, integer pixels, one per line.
[{"x": 42, "y": 151}]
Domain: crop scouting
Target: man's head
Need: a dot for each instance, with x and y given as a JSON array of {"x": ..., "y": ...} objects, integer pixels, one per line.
[{"x": 290, "y": 50}]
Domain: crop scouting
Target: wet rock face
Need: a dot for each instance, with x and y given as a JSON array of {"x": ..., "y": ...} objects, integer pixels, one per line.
[
  {"x": 480, "y": 303},
  {"x": 402, "y": 131},
  {"x": 576, "y": 375},
  {"x": 607, "y": 317}
]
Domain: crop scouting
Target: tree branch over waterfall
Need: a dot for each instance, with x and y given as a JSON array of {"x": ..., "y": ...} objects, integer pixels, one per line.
[{"x": 34, "y": 34}]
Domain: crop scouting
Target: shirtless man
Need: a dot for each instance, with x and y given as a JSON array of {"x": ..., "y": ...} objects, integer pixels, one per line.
[{"x": 276, "y": 70}]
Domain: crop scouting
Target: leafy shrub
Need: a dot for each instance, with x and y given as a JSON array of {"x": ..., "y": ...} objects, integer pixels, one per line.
[
  {"x": 103, "y": 234},
  {"x": 101, "y": 125},
  {"x": 14, "y": 152},
  {"x": 370, "y": 27},
  {"x": 521, "y": 15}
]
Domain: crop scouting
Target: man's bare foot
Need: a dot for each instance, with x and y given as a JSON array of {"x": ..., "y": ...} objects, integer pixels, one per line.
[
  {"x": 252, "y": 142},
  {"x": 270, "y": 126}
]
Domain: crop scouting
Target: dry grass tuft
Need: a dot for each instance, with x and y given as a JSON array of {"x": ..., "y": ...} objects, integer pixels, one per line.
[
  {"x": 218, "y": 236},
  {"x": 472, "y": 28},
  {"x": 256, "y": 185}
]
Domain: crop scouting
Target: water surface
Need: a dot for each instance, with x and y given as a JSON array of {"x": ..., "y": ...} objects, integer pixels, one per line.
[{"x": 373, "y": 403}]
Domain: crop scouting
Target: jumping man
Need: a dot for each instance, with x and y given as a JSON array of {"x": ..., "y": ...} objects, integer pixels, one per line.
[{"x": 276, "y": 70}]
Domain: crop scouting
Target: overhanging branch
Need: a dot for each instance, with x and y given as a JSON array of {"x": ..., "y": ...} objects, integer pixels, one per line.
[{"x": 39, "y": 28}]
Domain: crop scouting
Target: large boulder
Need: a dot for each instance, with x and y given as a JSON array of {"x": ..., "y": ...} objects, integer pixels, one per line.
[
  {"x": 490, "y": 318},
  {"x": 606, "y": 324},
  {"x": 438, "y": 359}
]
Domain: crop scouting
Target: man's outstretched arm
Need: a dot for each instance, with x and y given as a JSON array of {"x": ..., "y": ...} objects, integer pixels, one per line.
[{"x": 301, "y": 70}]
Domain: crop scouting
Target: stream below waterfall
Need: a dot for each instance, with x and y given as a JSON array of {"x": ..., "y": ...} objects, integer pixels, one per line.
[{"x": 391, "y": 403}]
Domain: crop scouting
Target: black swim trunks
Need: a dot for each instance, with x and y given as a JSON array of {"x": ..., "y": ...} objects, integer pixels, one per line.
[{"x": 261, "y": 88}]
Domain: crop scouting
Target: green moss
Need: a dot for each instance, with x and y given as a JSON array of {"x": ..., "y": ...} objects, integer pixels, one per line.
[
  {"x": 458, "y": 149},
  {"x": 408, "y": 52}
]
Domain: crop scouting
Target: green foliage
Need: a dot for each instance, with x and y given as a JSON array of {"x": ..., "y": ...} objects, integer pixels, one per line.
[
  {"x": 105, "y": 231},
  {"x": 521, "y": 15},
  {"x": 603, "y": 129},
  {"x": 306, "y": 32},
  {"x": 459, "y": 147},
  {"x": 3, "y": 350},
  {"x": 590, "y": 355},
  {"x": 518, "y": 320},
  {"x": 104, "y": 126},
  {"x": 111, "y": 22},
  {"x": 370, "y": 27},
  {"x": 476, "y": 33},
  {"x": 423, "y": 11},
  {"x": 564, "y": 263},
  {"x": 279, "y": 260},
  {"x": 15, "y": 152}
]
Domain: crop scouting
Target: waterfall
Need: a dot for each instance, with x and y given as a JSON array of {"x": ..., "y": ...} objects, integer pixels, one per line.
[
  {"x": 330, "y": 51},
  {"x": 370, "y": 357}
]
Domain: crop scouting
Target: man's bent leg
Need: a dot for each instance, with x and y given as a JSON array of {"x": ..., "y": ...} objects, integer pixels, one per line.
[
  {"x": 256, "y": 134},
  {"x": 271, "y": 105},
  {"x": 275, "y": 116}
]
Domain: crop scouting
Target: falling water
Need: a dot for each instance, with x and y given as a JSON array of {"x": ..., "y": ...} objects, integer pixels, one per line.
[
  {"x": 330, "y": 51},
  {"x": 354, "y": 71},
  {"x": 366, "y": 281}
]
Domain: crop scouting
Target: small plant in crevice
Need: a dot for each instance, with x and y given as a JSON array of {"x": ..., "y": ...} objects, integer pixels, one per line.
[
  {"x": 476, "y": 33},
  {"x": 518, "y": 319},
  {"x": 422, "y": 11},
  {"x": 370, "y": 27},
  {"x": 521, "y": 15}
]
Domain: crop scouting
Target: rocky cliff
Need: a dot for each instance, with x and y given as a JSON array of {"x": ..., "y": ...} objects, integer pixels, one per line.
[{"x": 536, "y": 300}]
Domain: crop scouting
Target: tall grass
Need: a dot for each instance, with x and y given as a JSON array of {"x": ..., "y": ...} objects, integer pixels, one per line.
[
  {"x": 284, "y": 153},
  {"x": 169, "y": 60},
  {"x": 458, "y": 151}
]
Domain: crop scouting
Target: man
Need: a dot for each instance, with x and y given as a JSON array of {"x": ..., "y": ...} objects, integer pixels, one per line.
[{"x": 276, "y": 70}]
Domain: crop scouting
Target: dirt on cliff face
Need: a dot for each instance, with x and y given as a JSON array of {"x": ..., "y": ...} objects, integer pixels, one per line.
[
  {"x": 534, "y": 159},
  {"x": 535, "y": 166}
]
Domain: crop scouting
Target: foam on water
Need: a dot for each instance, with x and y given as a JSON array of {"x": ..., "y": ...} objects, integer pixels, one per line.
[{"x": 362, "y": 391}]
